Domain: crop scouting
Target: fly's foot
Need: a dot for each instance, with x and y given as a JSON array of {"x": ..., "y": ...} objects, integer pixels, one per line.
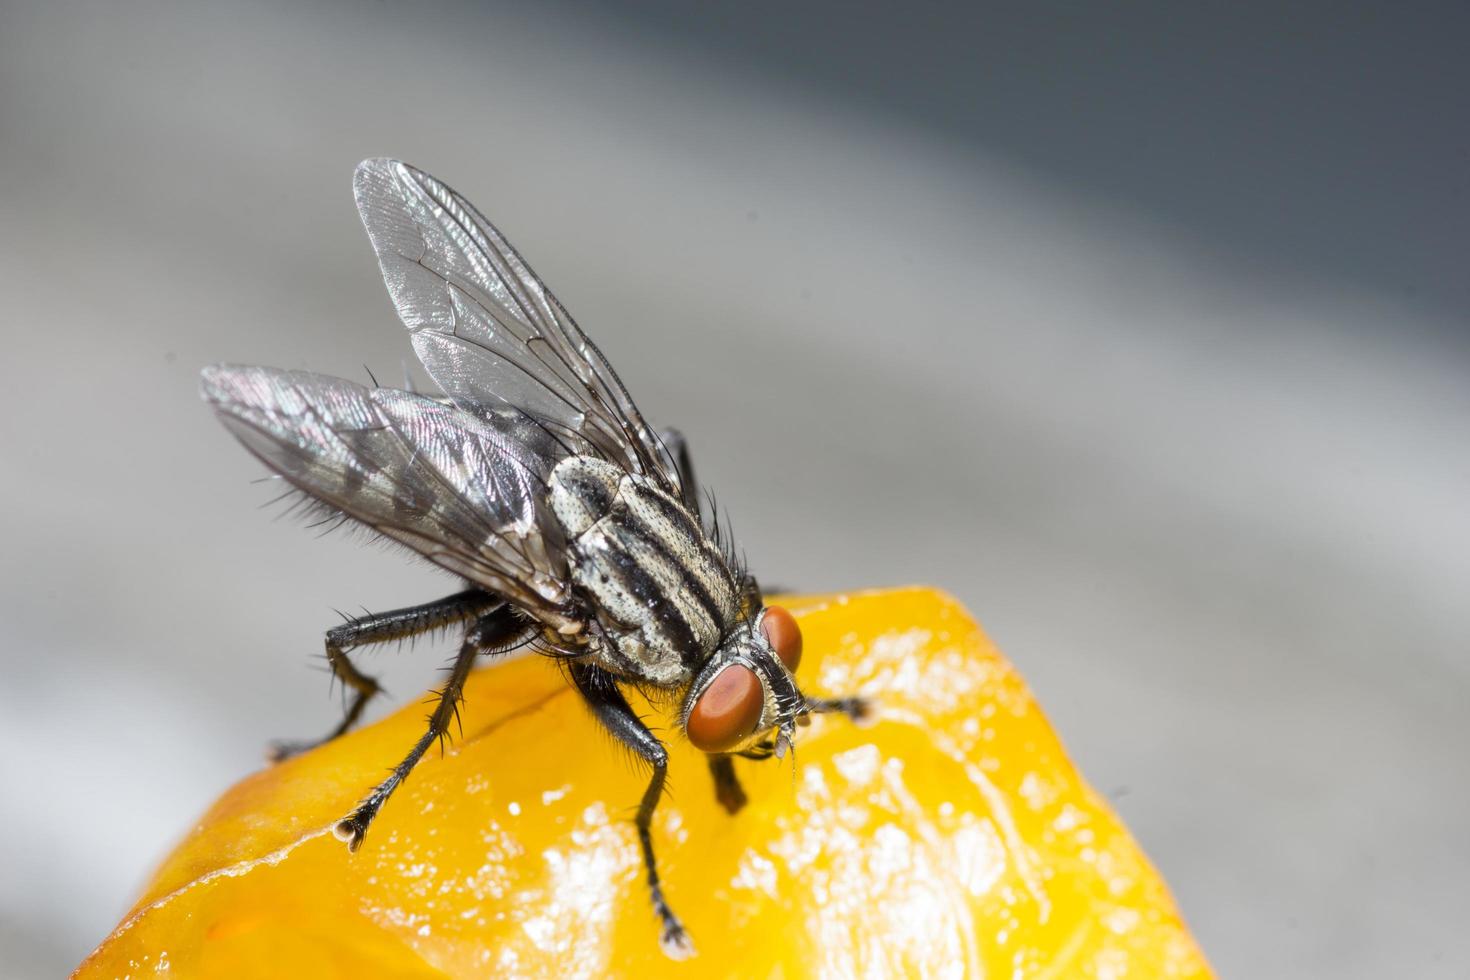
[
  {"x": 352, "y": 828},
  {"x": 350, "y": 831},
  {"x": 674, "y": 941},
  {"x": 283, "y": 749}
]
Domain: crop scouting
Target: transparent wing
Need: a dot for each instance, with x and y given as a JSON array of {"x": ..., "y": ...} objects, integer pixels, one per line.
[
  {"x": 487, "y": 329},
  {"x": 462, "y": 490}
]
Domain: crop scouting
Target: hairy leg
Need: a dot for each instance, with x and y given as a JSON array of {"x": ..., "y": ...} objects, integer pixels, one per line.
[
  {"x": 397, "y": 624},
  {"x": 493, "y": 632},
  {"x": 600, "y": 690}
]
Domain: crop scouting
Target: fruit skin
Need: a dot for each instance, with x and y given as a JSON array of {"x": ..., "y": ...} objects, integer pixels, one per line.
[{"x": 951, "y": 837}]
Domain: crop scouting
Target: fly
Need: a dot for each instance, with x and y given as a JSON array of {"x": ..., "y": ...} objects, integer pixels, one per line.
[{"x": 576, "y": 527}]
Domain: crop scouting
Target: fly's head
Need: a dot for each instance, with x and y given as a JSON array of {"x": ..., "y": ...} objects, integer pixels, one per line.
[{"x": 744, "y": 700}]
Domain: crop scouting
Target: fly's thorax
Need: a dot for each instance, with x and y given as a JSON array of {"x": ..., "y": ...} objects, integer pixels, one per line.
[
  {"x": 662, "y": 592},
  {"x": 581, "y": 492}
]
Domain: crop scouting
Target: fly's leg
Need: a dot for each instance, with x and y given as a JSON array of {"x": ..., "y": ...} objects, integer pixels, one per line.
[
  {"x": 860, "y": 710},
  {"x": 600, "y": 690},
  {"x": 727, "y": 784},
  {"x": 496, "y": 631},
  {"x": 678, "y": 448},
  {"x": 399, "y": 624}
]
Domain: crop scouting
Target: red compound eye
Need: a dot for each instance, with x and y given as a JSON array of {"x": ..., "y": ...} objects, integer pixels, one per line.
[
  {"x": 783, "y": 635},
  {"x": 728, "y": 710}
]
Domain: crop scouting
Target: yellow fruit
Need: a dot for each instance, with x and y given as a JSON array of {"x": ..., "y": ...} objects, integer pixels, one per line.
[{"x": 952, "y": 837}]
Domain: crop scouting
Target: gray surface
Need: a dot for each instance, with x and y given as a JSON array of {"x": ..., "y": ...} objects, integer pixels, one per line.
[{"x": 1212, "y": 506}]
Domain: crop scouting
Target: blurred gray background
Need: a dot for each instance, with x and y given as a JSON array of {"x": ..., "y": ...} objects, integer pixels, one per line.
[{"x": 1145, "y": 333}]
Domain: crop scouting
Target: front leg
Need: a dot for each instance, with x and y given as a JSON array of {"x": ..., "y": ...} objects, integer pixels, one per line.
[
  {"x": 600, "y": 690},
  {"x": 858, "y": 709}
]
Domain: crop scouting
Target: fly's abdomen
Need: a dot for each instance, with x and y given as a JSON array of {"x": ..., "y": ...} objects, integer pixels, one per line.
[{"x": 661, "y": 588}]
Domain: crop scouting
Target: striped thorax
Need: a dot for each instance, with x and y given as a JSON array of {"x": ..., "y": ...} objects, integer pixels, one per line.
[{"x": 660, "y": 589}]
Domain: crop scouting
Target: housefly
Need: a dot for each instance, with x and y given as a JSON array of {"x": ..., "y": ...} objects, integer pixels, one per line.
[{"x": 576, "y": 527}]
